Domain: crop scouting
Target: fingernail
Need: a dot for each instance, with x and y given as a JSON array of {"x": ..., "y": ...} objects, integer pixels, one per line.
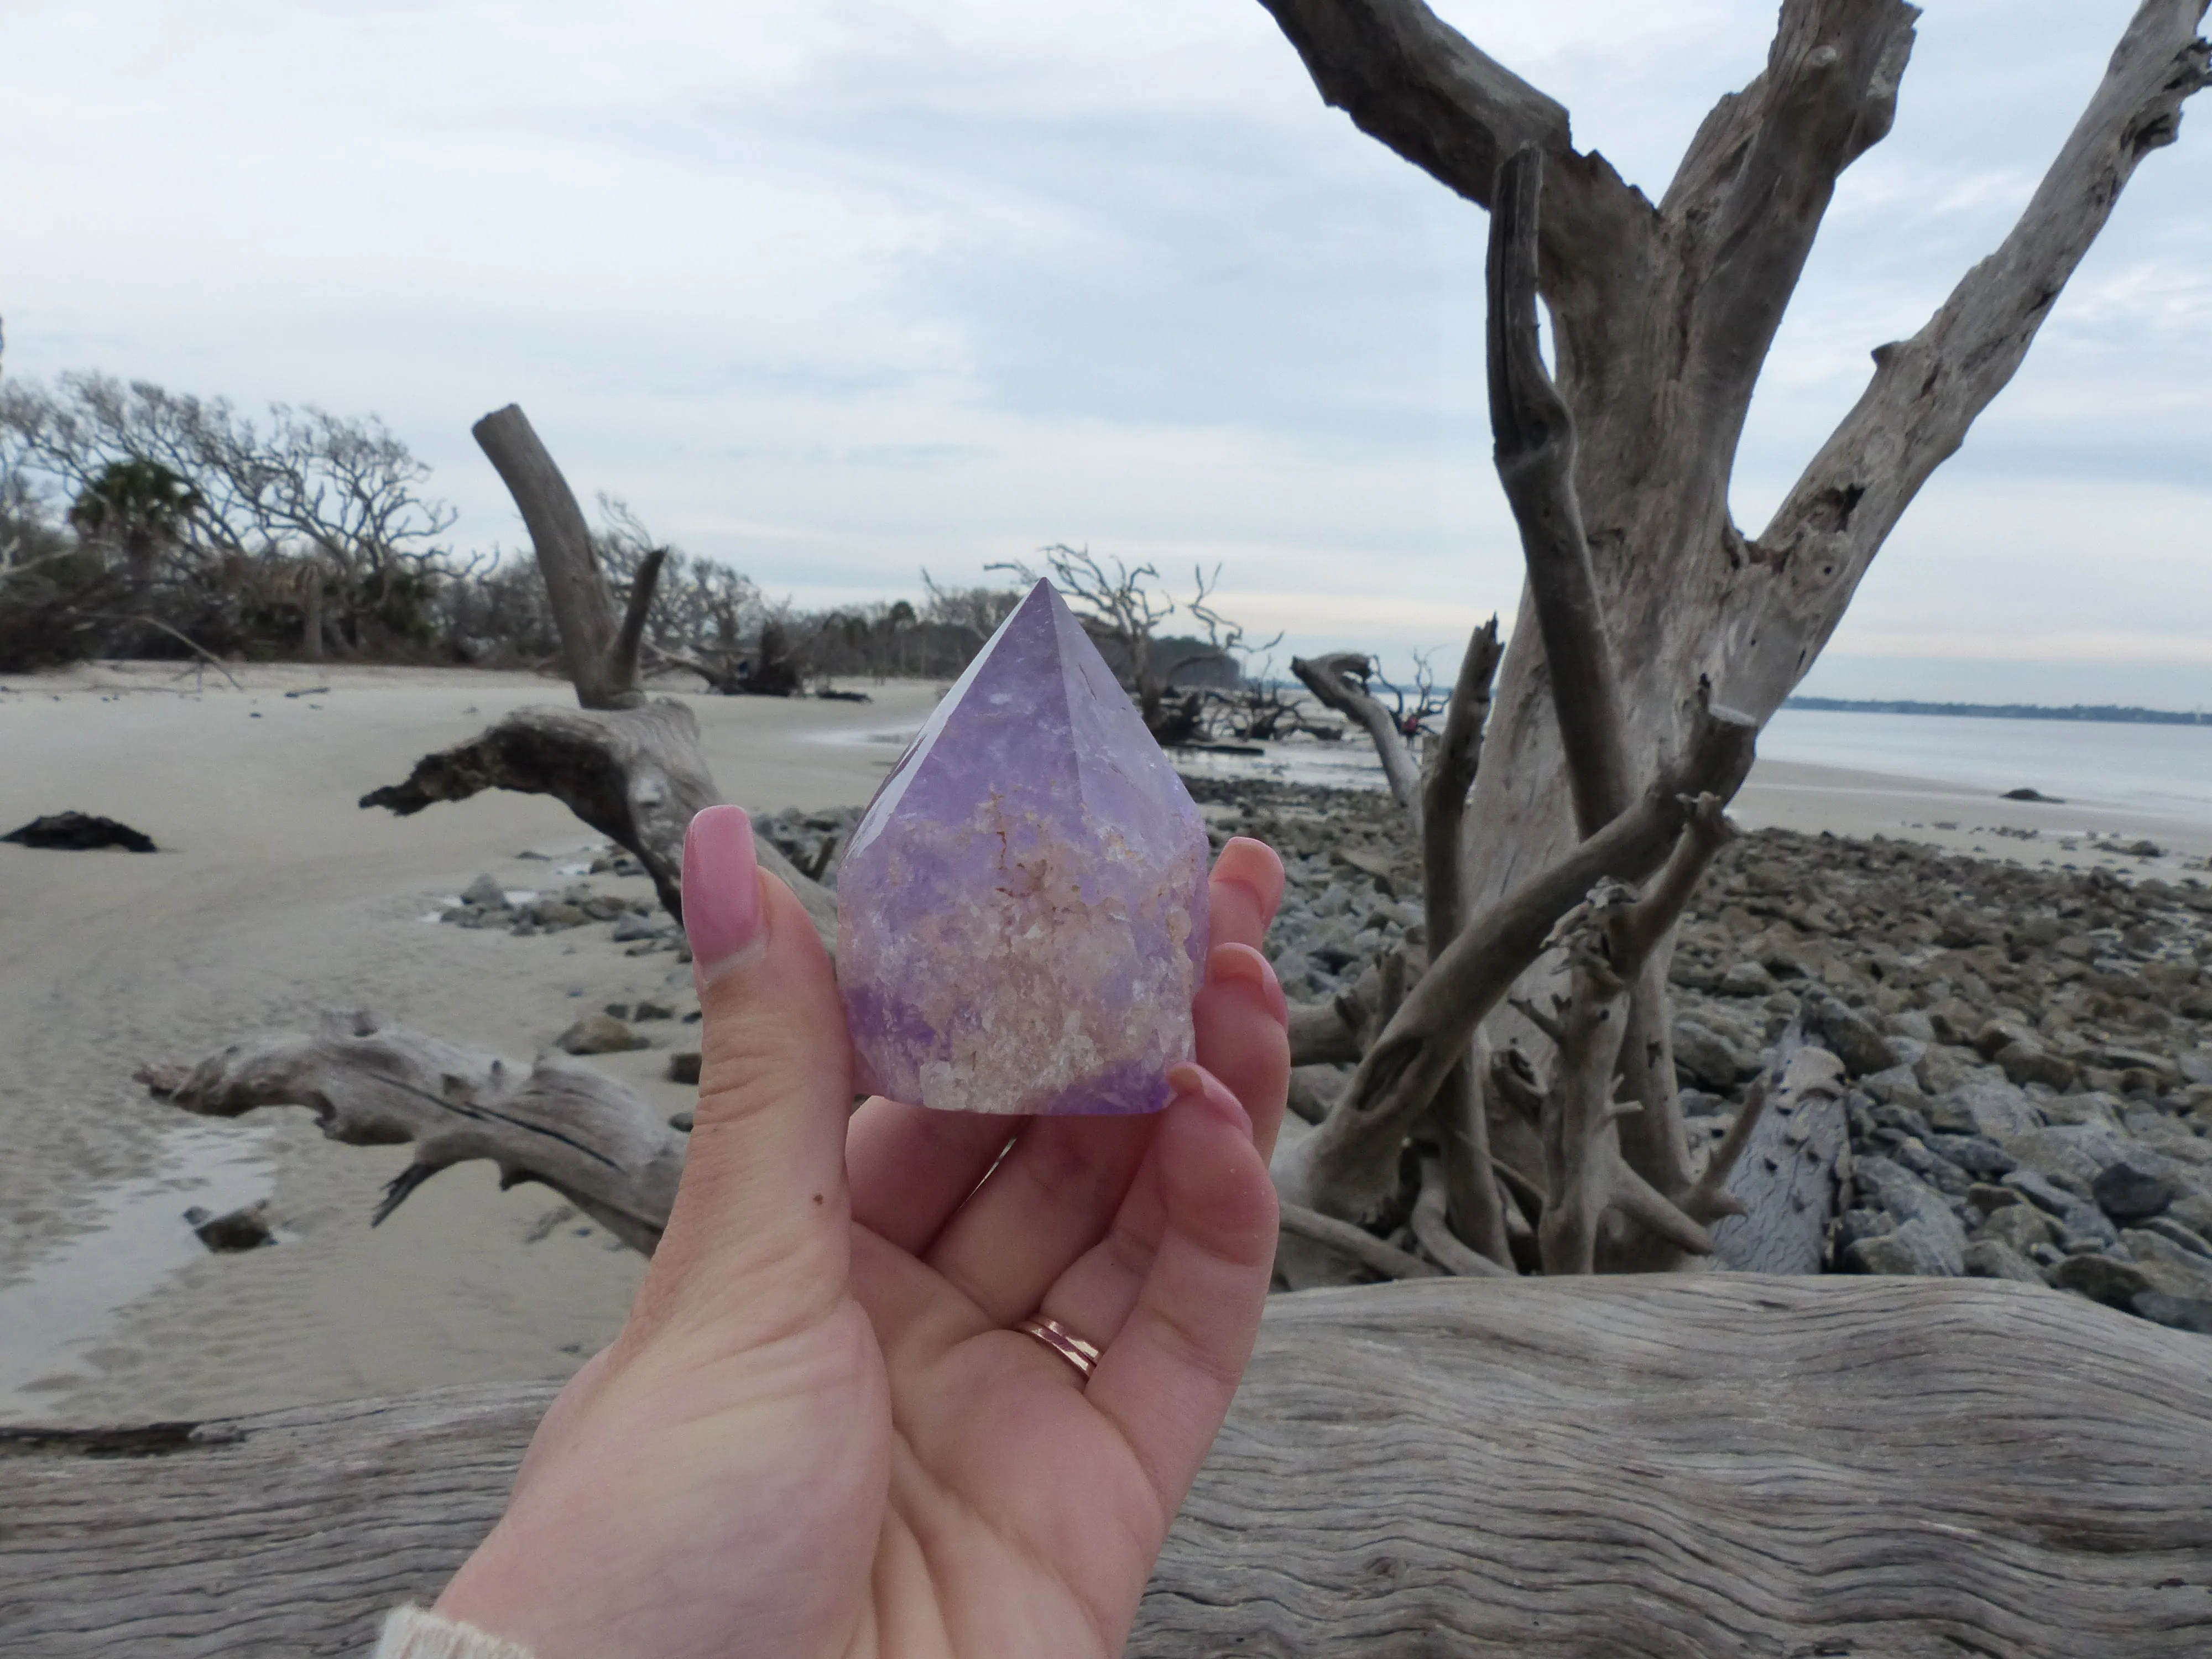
[
  {"x": 1266, "y": 877},
  {"x": 1225, "y": 963},
  {"x": 721, "y": 888},
  {"x": 1196, "y": 1083}
]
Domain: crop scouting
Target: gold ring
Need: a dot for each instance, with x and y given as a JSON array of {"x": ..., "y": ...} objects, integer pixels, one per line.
[{"x": 1082, "y": 1355}]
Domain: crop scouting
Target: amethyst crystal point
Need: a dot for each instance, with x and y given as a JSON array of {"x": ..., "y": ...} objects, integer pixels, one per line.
[{"x": 1021, "y": 914}]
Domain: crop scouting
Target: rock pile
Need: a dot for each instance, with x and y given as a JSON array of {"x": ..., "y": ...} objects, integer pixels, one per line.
[
  {"x": 638, "y": 919},
  {"x": 2030, "y": 1049}
]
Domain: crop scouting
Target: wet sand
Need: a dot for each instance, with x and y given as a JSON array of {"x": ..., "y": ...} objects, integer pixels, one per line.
[{"x": 275, "y": 897}]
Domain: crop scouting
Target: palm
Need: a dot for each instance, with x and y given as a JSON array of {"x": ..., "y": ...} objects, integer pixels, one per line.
[{"x": 817, "y": 1435}]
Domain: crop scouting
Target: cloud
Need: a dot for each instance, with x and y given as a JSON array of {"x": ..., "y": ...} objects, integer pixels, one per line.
[{"x": 837, "y": 288}]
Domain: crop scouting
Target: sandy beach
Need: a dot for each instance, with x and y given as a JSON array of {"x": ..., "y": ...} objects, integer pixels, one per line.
[{"x": 274, "y": 896}]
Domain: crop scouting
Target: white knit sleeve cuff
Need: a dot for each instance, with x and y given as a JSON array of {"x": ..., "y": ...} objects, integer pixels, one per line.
[{"x": 411, "y": 1633}]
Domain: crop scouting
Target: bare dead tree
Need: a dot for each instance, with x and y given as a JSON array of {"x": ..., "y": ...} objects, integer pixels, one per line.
[
  {"x": 1340, "y": 682},
  {"x": 629, "y": 767},
  {"x": 1655, "y": 637},
  {"x": 1121, "y": 609}
]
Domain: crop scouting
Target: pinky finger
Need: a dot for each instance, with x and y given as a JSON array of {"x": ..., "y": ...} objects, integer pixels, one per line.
[{"x": 1166, "y": 1379}]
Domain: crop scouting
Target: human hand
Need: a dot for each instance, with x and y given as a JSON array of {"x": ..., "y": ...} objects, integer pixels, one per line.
[{"x": 815, "y": 1434}]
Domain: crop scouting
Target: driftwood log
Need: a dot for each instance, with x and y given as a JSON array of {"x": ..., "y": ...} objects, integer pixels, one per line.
[
  {"x": 369, "y": 1083},
  {"x": 1793, "y": 1171},
  {"x": 629, "y": 767},
  {"x": 1685, "y": 1467}
]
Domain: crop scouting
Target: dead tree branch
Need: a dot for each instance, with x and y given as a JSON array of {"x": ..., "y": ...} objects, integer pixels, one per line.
[
  {"x": 1471, "y": 1209},
  {"x": 1534, "y": 440},
  {"x": 1409, "y": 79},
  {"x": 1340, "y": 682},
  {"x": 1775, "y": 1184},
  {"x": 592, "y": 641},
  {"x": 1434, "y": 1231},
  {"x": 634, "y": 775},
  {"x": 370, "y": 1083},
  {"x": 1349, "y": 1165},
  {"x": 1927, "y": 391},
  {"x": 1355, "y": 1244}
]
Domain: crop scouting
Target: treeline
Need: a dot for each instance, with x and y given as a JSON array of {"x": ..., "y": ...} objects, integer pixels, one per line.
[
  {"x": 135, "y": 521},
  {"x": 2111, "y": 713}
]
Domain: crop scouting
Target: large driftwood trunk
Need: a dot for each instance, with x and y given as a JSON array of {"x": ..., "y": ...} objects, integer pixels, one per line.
[
  {"x": 1694, "y": 1466},
  {"x": 1646, "y": 610}
]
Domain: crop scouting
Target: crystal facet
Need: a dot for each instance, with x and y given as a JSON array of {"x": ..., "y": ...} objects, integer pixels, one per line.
[{"x": 1021, "y": 914}]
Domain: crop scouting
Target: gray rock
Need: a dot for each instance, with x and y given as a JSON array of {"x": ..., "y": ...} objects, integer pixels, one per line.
[
  {"x": 1914, "y": 1024},
  {"x": 1706, "y": 1058},
  {"x": 2031, "y": 1062},
  {"x": 1944, "y": 1067},
  {"x": 632, "y": 927},
  {"x": 1745, "y": 979},
  {"x": 1910, "y": 1200},
  {"x": 1915, "y": 1247},
  {"x": 1992, "y": 1258},
  {"x": 681, "y": 1122},
  {"x": 2086, "y": 1227},
  {"x": 558, "y": 915},
  {"x": 649, "y": 1009},
  {"x": 485, "y": 894},
  {"x": 599, "y": 1033},
  {"x": 2181, "y": 1313},
  {"x": 2019, "y": 1227},
  {"x": 1938, "y": 1171},
  {"x": 2059, "y": 1154},
  {"x": 1984, "y": 1105},
  {"x": 2195, "y": 1065},
  {"x": 1977, "y": 1154},
  {"x": 2129, "y": 1194},
  {"x": 2045, "y": 1195},
  {"x": 239, "y": 1230},
  {"x": 1908, "y": 1051},
  {"x": 683, "y": 1068},
  {"x": 1899, "y": 1084},
  {"x": 2099, "y": 1110},
  {"x": 2188, "y": 1238},
  {"x": 1892, "y": 1115},
  {"x": 2194, "y": 1212},
  {"x": 2169, "y": 1267},
  {"x": 1850, "y": 1036},
  {"x": 1853, "y": 1225},
  {"x": 2104, "y": 1279}
]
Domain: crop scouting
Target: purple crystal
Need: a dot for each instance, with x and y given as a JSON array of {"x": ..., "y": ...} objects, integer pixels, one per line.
[{"x": 1021, "y": 914}]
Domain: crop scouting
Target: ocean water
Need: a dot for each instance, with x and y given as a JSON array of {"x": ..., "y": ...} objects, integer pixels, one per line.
[{"x": 2161, "y": 771}]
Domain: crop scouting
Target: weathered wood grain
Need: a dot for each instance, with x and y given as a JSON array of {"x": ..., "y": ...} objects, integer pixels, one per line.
[
  {"x": 1692, "y": 1466},
  {"x": 590, "y": 1136}
]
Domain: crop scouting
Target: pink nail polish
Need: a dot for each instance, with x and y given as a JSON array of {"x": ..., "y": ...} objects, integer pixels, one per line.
[
  {"x": 721, "y": 887},
  {"x": 1196, "y": 1083},
  {"x": 1241, "y": 962}
]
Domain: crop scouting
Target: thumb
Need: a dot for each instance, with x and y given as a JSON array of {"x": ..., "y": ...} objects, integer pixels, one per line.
[{"x": 763, "y": 1203}]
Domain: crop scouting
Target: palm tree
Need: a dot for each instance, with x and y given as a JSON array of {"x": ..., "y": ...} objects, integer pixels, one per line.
[{"x": 140, "y": 506}]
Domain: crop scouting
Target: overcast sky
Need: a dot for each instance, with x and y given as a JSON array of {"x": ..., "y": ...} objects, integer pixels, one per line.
[{"x": 835, "y": 289}]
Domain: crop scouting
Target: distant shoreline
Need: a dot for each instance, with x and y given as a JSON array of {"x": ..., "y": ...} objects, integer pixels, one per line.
[{"x": 2105, "y": 712}]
